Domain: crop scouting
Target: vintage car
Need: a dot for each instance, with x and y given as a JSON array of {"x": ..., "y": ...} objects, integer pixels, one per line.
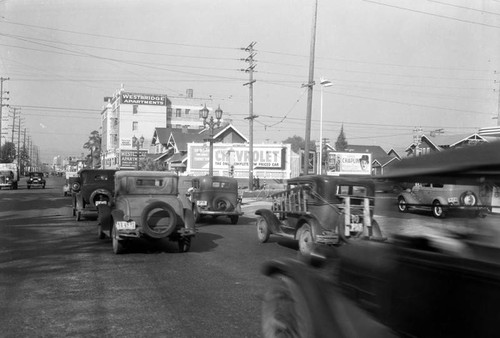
[
  {"x": 444, "y": 283},
  {"x": 71, "y": 176},
  {"x": 36, "y": 179},
  {"x": 91, "y": 188},
  {"x": 214, "y": 196},
  {"x": 6, "y": 179},
  {"x": 441, "y": 198},
  {"x": 321, "y": 209},
  {"x": 146, "y": 205}
]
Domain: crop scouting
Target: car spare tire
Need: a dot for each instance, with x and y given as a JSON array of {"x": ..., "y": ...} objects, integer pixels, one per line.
[
  {"x": 158, "y": 220},
  {"x": 222, "y": 204}
]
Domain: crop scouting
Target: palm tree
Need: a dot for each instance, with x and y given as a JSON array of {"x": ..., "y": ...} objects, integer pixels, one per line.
[{"x": 94, "y": 145}]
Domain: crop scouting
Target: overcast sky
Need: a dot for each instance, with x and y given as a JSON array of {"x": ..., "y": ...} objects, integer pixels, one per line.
[{"x": 395, "y": 64}]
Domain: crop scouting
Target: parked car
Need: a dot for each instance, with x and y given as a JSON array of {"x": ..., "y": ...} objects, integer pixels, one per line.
[
  {"x": 6, "y": 179},
  {"x": 444, "y": 283},
  {"x": 91, "y": 188},
  {"x": 36, "y": 179},
  {"x": 146, "y": 205},
  {"x": 215, "y": 196},
  {"x": 320, "y": 209},
  {"x": 442, "y": 198}
]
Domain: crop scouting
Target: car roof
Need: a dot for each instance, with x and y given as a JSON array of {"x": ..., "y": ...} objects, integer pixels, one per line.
[{"x": 135, "y": 173}]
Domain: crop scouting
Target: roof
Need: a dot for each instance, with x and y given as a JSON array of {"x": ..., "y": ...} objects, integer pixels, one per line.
[{"x": 376, "y": 151}]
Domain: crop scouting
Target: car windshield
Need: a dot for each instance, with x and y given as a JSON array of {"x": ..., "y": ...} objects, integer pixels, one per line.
[{"x": 36, "y": 175}]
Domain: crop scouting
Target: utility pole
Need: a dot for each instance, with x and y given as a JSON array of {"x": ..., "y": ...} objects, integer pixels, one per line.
[
  {"x": 251, "y": 116},
  {"x": 14, "y": 110},
  {"x": 310, "y": 85},
  {"x": 18, "y": 149},
  {"x": 23, "y": 163},
  {"x": 2, "y": 79}
]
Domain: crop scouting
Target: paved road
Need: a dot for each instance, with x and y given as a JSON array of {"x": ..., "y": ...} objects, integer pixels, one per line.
[{"x": 58, "y": 279}]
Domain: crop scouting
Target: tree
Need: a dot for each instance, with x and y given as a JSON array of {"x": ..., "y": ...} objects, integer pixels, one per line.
[
  {"x": 298, "y": 143},
  {"x": 151, "y": 165},
  {"x": 341, "y": 143},
  {"x": 7, "y": 152},
  {"x": 94, "y": 146}
]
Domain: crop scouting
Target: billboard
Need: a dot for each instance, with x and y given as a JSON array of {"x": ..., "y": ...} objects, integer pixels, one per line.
[
  {"x": 267, "y": 158},
  {"x": 349, "y": 164},
  {"x": 143, "y": 99},
  {"x": 128, "y": 158}
]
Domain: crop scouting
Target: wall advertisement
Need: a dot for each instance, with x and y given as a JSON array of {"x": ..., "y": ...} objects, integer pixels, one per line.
[
  {"x": 267, "y": 158},
  {"x": 349, "y": 164}
]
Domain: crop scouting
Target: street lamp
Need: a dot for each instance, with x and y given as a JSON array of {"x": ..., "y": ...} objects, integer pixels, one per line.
[
  {"x": 211, "y": 123},
  {"x": 324, "y": 83},
  {"x": 138, "y": 144}
]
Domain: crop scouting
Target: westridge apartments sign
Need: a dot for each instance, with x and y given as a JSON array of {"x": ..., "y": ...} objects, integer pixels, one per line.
[{"x": 144, "y": 99}]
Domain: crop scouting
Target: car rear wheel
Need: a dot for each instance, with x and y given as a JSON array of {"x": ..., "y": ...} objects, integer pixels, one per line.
[
  {"x": 118, "y": 246},
  {"x": 437, "y": 210},
  {"x": 306, "y": 242},
  {"x": 263, "y": 231},
  {"x": 402, "y": 206},
  {"x": 285, "y": 312},
  {"x": 158, "y": 220}
]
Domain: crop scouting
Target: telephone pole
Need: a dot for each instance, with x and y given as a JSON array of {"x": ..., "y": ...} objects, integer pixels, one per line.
[
  {"x": 2, "y": 79},
  {"x": 251, "y": 116},
  {"x": 310, "y": 85}
]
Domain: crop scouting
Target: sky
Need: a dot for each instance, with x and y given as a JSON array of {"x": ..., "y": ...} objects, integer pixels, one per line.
[{"x": 395, "y": 65}]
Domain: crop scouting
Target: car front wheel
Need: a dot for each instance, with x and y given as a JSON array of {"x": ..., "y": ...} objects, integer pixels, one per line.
[
  {"x": 285, "y": 312},
  {"x": 306, "y": 242},
  {"x": 437, "y": 210},
  {"x": 263, "y": 231},
  {"x": 402, "y": 206}
]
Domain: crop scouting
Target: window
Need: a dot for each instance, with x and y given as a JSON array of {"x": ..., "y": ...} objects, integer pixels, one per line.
[
  {"x": 134, "y": 109},
  {"x": 178, "y": 112},
  {"x": 186, "y": 112},
  {"x": 135, "y": 125}
]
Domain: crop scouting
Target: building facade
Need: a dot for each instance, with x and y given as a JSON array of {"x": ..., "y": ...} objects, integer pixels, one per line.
[{"x": 129, "y": 120}]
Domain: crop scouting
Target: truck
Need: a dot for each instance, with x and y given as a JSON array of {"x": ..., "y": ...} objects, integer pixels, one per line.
[{"x": 13, "y": 181}]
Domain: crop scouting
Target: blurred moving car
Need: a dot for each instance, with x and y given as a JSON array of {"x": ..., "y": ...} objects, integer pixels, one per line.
[
  {"x": 91, "y": 188},
  {"x": 214, "y": 196},
  {"x": 36, "y": 179},
  {"x": 443, "y": 198},
  {"x": 146, "y": 205},
  {"x": 321, "y": 209},
  {"x": 444, "y": 284}
]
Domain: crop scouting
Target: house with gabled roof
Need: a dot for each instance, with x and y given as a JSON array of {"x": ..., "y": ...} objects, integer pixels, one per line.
[
  {"x": 429, "y": 144},
  {"x": 170, "y": 144}
]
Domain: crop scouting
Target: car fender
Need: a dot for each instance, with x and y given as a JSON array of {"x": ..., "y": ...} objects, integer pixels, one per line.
[
  {"x": 272, "y": 221},
  {"x": 117, "y": 215},
  {"x": 409, "y": 198},
  {"x": 316, "y": 227}
]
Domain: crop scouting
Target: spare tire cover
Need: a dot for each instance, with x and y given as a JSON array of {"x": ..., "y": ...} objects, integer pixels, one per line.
[
  {"x": 222, "y": 204},
  {"x": 158, "y": 219}
]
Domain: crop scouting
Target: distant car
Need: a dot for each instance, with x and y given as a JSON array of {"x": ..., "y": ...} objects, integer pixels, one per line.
[
  {"x": 443, "y": 198},
  {"x": 91, "y": 188},
  {"x": 36, "y": 179},
  {"x": 321, "y": 209},
  {"x": 215, "y": 196},
  {"x": 146, "y": 205},
  {"x": 6, "y": 179}
]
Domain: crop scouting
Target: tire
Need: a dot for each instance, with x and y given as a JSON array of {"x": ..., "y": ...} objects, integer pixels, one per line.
[
  {"x": 285, "y": 312},
  {"x": 196, "y": 214},
  {"x": 437, "y": 210},
  {"x": 468, "y": 198},
  {"x": 158, "y": 220},
  {"x": 234, "y": 219},
  {"x": 402, "y": 205},
  {"x": 306, "y": 241},
  {"x": 222, "y": 204},
  {"x": 263, "y": 231},
  {"x": 184, "y": 244},
  {"x": 118, "y": 246}
]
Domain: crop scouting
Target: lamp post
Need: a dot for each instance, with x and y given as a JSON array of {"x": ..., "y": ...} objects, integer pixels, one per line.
[
  {"x": 211, "y": 123},
  {"x": 324, "y": 83},
  {"x": 138, "y": 144}
]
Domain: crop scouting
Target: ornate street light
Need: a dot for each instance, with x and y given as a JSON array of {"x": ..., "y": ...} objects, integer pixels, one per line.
[
  {"x": 138, "y": 143},
  {"x": 211, "y": 124},
  {"x": 324, "y": 83}
]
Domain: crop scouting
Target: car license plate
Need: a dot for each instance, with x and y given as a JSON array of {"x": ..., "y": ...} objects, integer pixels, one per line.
[
  {"x": 356, "y": 227},
  {"x": 100, "y": 202},
  {"x": 122, "y": 225},
  {"x": 201, "y": 203}
]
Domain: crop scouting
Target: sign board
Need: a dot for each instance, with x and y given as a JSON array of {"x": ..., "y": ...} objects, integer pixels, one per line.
[
  {"x": 143, "y": 99},
  {"x": 128, "y": 158},
  {"x": 340, "y": 163}
]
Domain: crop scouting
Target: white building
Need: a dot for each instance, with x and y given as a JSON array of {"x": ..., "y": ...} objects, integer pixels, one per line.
[{"x": 130, "y": 116}]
